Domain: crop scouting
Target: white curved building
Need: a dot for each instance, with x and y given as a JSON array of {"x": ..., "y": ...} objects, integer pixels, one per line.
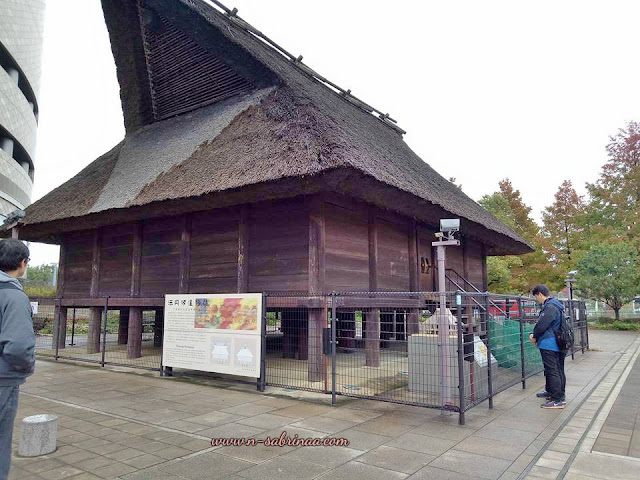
[{"x": 21, "y": 38}]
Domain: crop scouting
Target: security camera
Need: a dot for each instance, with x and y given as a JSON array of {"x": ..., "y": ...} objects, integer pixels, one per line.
[{"x": 450, "y": 225}]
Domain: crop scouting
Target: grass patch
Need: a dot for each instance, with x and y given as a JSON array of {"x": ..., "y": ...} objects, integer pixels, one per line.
[{"x": 627, "y": 326}]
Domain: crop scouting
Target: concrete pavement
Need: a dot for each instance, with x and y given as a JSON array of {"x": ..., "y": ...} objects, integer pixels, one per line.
[{"x": 140, "y": 426}]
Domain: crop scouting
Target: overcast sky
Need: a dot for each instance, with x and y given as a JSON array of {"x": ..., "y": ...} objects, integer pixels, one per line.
[{"x": 485, "y": 90}]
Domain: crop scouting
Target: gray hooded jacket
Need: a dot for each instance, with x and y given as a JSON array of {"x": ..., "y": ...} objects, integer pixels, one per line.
[{"x": 17, "y": 340}]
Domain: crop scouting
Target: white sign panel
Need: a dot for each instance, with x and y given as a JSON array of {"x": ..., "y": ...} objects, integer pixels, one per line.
[
  {"x": 34, "y": 308},
  {"x": 213, "y": 333}
]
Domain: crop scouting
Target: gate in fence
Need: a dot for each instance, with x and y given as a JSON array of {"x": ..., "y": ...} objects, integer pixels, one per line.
[{"x": 389, "y": 346}]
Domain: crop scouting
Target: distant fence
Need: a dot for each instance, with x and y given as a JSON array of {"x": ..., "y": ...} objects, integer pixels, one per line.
[{"x": 389, "y": 346}]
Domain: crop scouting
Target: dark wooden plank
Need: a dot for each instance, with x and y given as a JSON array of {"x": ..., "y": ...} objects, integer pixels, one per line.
[
  {"x": 215, "y": 270},
  {"x": 185, "y": 255},
  {"x": 485, "y": 278},
  {"x": 316, "y": 265},
  {"x": 61, "y": 270},
  {"x": 214, "y": 285},
  {"x": 373, "y": 250},
  {"x": 136, "y": 257},
  {"x": 243, "y": 250},
  {"x": 413, "y": 256},
  {"x": 95, "y": 264}
]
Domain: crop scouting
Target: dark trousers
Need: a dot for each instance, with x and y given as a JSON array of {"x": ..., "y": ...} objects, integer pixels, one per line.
[{"x": 554, "y": 373}]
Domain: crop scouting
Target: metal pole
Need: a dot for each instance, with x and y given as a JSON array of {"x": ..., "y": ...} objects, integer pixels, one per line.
[
  {"x": 570, "y": 293},
  {"x": 263, "y": 349},
  {"x": 522, "y": 362},
  {"x": 56, "y": 327},
  {"x": 104, "y": 332},
  {"x": 333, "y": 348},
  {"x": 73, "y": 327},
  {"x": 586, "y": 325},
  {"x": 443, "y": 331},
  {"x": 488, "y": 336},
  {"x": 461, "y": 378}
]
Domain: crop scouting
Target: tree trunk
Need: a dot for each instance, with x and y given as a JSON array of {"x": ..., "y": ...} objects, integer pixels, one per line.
[{"x": 617, "y": 311}]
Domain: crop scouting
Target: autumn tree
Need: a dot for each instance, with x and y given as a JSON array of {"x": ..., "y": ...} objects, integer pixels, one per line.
[
  {"x": 562, "y": 229},
  {"x": 614, "y": 203},
  {"x": 524, "y": 271},
  {"x": 609, "y": 272}
]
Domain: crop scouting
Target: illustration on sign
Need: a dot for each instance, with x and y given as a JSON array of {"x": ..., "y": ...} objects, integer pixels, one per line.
[{"x": 214, "y": 333}]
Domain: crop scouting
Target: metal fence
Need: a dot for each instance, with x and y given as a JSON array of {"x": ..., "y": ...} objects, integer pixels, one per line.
[
  {"x": 97, "y": 334},
  {"x": 390, "y": 346},
  {"x": 399, "y": 347}
]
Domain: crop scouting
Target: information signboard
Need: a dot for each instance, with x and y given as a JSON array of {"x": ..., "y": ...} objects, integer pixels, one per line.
[{"x": 213, "y": 333}]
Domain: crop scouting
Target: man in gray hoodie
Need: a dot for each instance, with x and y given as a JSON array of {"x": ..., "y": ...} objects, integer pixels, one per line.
[{"x": 17, "y": 341}]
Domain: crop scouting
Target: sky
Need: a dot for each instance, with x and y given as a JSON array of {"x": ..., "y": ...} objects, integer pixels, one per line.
[{"x": 485, "y": 90}]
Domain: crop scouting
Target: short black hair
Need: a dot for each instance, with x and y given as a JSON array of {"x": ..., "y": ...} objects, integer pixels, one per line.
[
  {"x": 541, "y": 289},
  {"x": 12, "y": 252}
]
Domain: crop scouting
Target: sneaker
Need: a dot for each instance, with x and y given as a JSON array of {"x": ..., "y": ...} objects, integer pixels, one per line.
[
  {"x": 542, "y": 394},
  {"x": 553, "y": 404}
]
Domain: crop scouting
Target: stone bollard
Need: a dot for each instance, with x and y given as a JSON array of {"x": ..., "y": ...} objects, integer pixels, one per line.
[{"x": 38, "y": 435}]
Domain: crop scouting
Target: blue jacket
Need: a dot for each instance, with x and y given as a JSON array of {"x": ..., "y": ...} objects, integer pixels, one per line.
[
  {"x": 17, "y": 340},
  {"x": 548, "y": 322}
]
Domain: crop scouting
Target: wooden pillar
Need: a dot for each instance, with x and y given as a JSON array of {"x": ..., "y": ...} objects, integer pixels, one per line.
[
  {"x": 243, "y": 250},
  {"x": 134, "y": 341},
  {"x": 158, "y": 328},
  {"x": 485, "y": 279},
  {"x": 185, "y": 255},
  {"x": 62, "y": 328},
  {"x": 95, "y": 313},
  {"x": 62, "y": 315},
  {"x": 372, "y": 326},
  {"x": 123, "y": 326},
  {"x": 311, "y": 338},
  {"x": 95, "y": 328},
  {"x": 414, "y": 275},
  {"x": 372, "y": 334}
]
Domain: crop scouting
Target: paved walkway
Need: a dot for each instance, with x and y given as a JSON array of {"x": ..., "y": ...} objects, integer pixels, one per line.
[{"x": 136, "y": 427}]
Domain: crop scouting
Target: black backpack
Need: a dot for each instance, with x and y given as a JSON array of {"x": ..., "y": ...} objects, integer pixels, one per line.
[{"x": 564, "y": 334}]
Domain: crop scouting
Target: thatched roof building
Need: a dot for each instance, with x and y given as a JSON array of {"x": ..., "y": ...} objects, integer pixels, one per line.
[{"x": 216, "y": 116}]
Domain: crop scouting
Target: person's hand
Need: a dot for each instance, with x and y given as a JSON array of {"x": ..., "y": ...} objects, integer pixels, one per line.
[{"x": 532, "y": 339}]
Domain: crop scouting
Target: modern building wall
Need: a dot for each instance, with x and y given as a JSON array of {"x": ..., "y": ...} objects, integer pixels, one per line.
[{"x": 21, "y": 38}]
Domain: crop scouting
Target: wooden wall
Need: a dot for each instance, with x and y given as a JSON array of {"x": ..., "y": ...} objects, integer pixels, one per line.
[
  {"x": 77, "y": 260},
  {"x": 346, "y": 247},
  {"x": 279, "y": 246},
  {"x": 261, "y": 247},
  {"x": 214, "y": 251}
]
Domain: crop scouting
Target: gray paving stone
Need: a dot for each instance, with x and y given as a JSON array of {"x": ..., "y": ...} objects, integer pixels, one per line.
[
  {"x": 422, "y": 443},
  {"x": 472, "y": 464},
  {"x": 326, "y": 456},
  {"x": 361, "y": 471},
  {"x": 396, "y": 459},
  {"x": 490, "y": 448},
  {"x": 284, "y": 468}
]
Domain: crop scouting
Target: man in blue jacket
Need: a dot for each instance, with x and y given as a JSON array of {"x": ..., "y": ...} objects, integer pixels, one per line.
[
  {"x": 17, "y": 341},
  {"x": 544, "y": 337}
]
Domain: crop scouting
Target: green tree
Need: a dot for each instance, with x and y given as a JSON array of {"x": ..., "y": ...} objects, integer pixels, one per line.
[
  {"x": 39, "y": 276},
  {"x": 609, "y": 272},
  {"x": 614, "y": 199}
]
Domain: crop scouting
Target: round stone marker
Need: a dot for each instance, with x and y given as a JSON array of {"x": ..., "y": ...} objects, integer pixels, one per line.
[{"x": 38, "y": 435}]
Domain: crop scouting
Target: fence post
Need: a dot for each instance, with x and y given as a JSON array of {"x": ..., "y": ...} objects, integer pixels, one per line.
[
  {"x": 333, "y": 348},
  {"x": 571, "y": 317},
  {"x": 488, "y": 337},
  {"x": 104, "y": 331},
  {"x": 461, "y": 378},
  {"x": 73, "y": 327},
  {"x": 55, "y": 338},
  {"x": 263, "y": 348},
  {"x": 586, "y": 324},
  {"x": 522, "y": 357}
]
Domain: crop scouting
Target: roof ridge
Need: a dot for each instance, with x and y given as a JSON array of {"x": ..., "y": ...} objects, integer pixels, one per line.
[{"x": 231, "y": 15}]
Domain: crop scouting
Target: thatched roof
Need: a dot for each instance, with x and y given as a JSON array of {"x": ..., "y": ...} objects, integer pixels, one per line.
[{"x": 281, "y": 133}]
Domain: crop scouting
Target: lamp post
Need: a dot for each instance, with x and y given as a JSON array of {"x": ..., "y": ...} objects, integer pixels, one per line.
[{"x": 446, "y": 238}]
